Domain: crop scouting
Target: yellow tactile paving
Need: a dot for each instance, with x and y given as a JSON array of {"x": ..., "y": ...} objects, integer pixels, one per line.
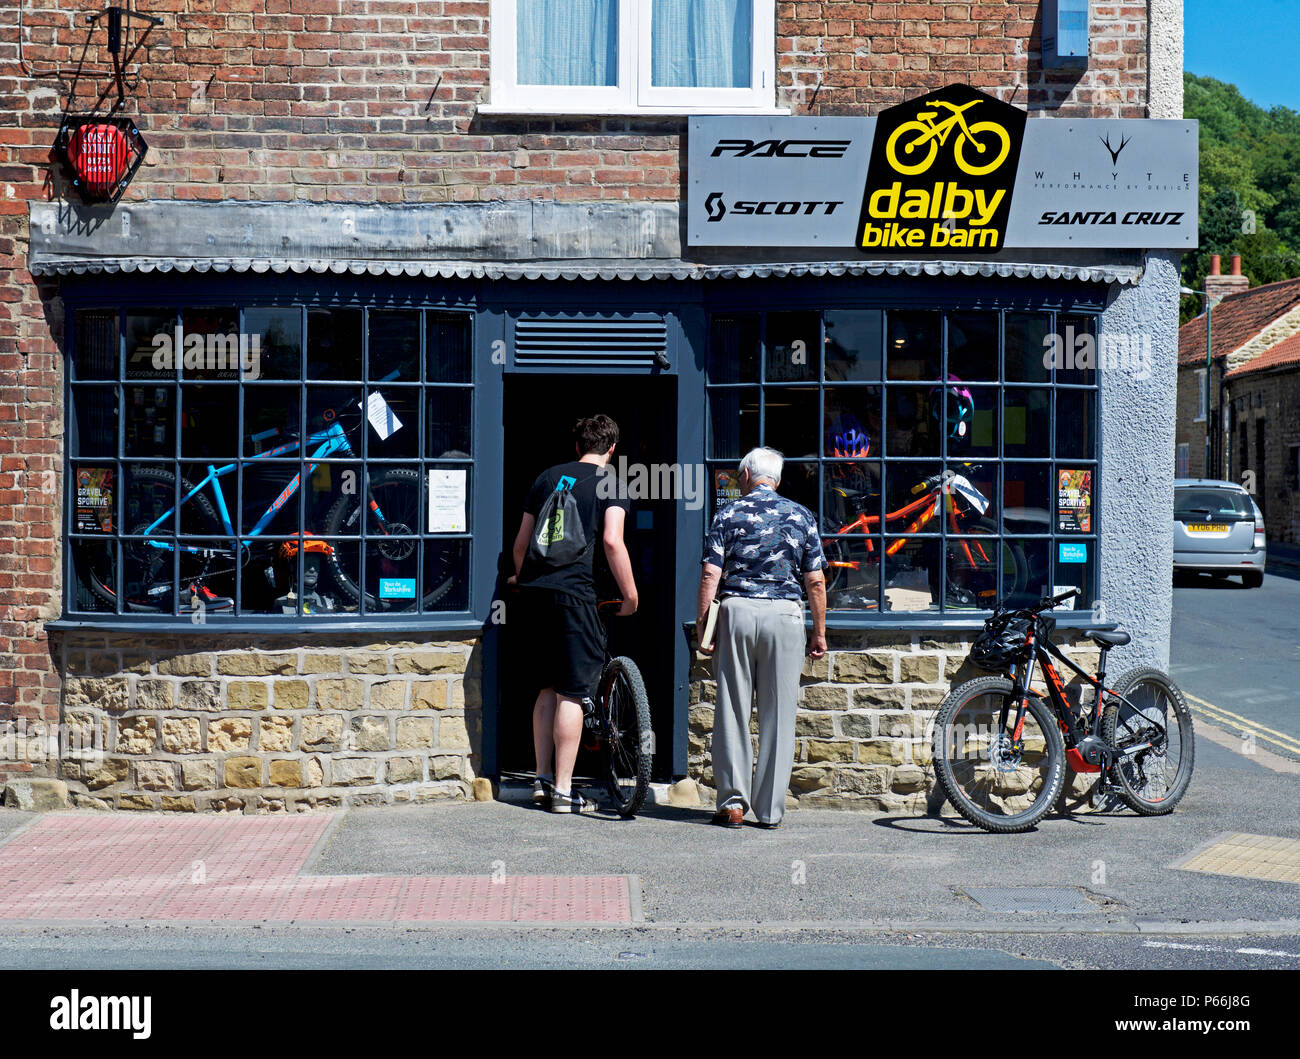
[{"x": 1250, "y": 857}]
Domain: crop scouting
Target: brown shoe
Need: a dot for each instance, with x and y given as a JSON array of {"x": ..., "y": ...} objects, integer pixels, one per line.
[{"x": 731, "y": 816}]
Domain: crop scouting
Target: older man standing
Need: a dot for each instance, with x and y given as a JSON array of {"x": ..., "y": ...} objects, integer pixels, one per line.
[{"x": 762, "y": 550}]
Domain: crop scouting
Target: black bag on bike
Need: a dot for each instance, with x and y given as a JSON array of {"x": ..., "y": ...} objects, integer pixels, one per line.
[{"x": 558, "y": 539}]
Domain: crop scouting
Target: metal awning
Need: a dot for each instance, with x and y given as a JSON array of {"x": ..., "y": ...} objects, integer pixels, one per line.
[{"x": 515, "y": 240}]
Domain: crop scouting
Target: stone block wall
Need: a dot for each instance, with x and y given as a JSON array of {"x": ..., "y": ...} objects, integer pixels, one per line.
[
  {"x": 862, "y": 732},
  {"x": 265, "y": 725}
]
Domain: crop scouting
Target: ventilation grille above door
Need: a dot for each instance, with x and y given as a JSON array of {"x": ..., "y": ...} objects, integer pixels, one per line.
[{"x": 550, "y": 341}]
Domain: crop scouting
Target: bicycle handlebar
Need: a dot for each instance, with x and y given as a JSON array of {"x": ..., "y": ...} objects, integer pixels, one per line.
[
  {"x": 1046, "y": 603},
  {"x": 330, "y": 414}
]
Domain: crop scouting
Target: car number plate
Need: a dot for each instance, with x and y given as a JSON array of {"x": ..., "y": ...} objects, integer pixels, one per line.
[{"x": 1205, "y": 527}]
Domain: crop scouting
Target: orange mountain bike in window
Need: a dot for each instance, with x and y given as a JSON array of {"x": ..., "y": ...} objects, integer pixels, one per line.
[{"x": 972, "y": 546}]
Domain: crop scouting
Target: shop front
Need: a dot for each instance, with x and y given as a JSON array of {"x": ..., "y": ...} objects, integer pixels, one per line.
[{"x": 299, "y": 436}]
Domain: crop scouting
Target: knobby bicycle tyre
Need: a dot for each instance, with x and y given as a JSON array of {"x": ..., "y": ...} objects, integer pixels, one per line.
[
  {"x": 1142, "y": 779},
  {"x": 978, "y": 585},
  {"x": 627, "y": 738},
  {"x": 991, "y": 788},
  {"x": 147, "y": 582},
  {"x": 404, "y": 510}
]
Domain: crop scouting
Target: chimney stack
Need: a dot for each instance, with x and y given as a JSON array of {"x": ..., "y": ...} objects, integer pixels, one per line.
[{"x": 1218, "y": 286}]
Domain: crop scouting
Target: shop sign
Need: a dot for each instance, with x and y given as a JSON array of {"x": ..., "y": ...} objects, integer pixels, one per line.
[
  {"x": 954, "y": 171},
  {"x": 1071, "y": 553}
]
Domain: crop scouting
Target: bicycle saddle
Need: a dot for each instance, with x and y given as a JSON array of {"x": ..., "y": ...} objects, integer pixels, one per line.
[{"x": 1117, "y": 638}]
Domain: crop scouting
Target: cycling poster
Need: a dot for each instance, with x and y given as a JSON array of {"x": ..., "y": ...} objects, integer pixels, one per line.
[
  {"x": 94, "y": 500},
  {"x": 1074, "y": 501}
]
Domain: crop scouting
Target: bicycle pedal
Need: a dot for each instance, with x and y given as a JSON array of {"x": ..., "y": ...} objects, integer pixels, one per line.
[{"x": 1103, "y": 797}]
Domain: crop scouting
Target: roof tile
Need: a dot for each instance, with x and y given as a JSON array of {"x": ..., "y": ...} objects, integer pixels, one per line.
[
  {"x": 1237, "y": 319},
  {"x": 1284, "y": 353}
]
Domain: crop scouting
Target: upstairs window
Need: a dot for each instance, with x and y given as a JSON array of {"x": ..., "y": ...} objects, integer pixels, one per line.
[{"x": 624, "y": 56}]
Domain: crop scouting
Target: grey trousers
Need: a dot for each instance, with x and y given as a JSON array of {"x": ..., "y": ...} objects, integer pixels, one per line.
[{"x": 759, "y": 655}]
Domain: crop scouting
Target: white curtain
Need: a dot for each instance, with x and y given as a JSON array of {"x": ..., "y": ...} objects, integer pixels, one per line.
[
  {"x": 567, "y": 42},
  {"x": 702, "y": 43}
]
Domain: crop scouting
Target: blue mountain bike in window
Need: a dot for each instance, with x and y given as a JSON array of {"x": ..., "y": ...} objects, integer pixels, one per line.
[{"x": 390, "y": 500}]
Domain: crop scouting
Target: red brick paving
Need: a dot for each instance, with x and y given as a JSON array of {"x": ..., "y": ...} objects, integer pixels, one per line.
[{"x": 246, "y": 868}]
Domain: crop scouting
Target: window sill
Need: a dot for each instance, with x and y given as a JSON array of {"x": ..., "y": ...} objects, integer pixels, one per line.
[
  {"x": 524, "y": 110},
  {"x": 923, "y": 623},
  {"x": 271, "y": 627}
]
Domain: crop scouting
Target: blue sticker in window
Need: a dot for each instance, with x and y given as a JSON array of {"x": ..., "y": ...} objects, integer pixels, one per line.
[
  {"x": 1071, "y": 553},
  {"x": 397, "y": 588}
]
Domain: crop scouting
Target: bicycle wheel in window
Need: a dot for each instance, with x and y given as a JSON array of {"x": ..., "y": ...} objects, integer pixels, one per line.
[
  {"x": 993, "y": 779},
  {"x": 627, "y": 738},
  {"x": 400, "y": 499},
  {"x": 1152, "y": 735},
  {"x": 147, "y": 583},
  {"x": 973, "y": 578}
]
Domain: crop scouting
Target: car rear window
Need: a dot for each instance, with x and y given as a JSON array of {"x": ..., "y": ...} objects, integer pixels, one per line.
[{"x": 1202, "y": 502}]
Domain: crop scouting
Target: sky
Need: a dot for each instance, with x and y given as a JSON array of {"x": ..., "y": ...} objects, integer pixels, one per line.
[{"x": 1249, "y": 43}]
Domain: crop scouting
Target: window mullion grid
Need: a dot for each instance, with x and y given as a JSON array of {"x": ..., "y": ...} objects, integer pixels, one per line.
[
  {"x": 302, "y": 460},
  {"x": 1053, "y": 552},
  {"x": 883, "y": 506},
  {"x": 821, "y": 420},
  {"x": 237, "y": 517},
  {"x": 1000, "y": 405},
  {"x": 943, "y": 462},
  {"x": 177, "y": 360},
  {"x": 422, "y": 451},
  {"x": 362, "y": 608},
  {"x": 119, "y": 550}
]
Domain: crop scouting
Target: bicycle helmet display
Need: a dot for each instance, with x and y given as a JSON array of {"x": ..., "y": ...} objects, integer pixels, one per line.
[
  {"x": 958, "y": 403},
  {"x": 847, "y": 439},
  {"x": 1000, "y": 644}
]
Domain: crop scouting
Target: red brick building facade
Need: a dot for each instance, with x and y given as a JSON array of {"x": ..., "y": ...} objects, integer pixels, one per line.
[{"x": 380, "y": 102}]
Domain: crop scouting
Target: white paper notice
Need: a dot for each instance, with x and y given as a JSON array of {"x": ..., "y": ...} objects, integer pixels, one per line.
[
  {"x": 381, "y": 416},
  {"x": 447, "y": 501}
]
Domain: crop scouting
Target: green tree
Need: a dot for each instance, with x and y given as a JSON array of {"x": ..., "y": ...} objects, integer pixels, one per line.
[{"x": 1249, "y": 185}]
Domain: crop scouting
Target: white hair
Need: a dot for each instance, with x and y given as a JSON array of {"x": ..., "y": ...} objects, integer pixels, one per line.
[{"x": 763, "y": 463}]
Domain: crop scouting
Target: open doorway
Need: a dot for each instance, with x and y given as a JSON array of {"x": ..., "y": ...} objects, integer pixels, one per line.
[{"x": 539, "y": 413}]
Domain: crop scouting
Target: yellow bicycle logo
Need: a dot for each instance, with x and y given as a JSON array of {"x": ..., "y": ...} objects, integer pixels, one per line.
[{"x": 926, "y": 136}]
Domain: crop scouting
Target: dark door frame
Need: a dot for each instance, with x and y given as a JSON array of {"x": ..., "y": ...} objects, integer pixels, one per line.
[{"x": 685, "y": 320}]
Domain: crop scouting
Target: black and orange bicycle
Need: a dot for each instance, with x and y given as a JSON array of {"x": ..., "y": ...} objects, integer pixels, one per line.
[
  {"x": 1000, "y": 750},
  {"x": 974, "y": 579}
]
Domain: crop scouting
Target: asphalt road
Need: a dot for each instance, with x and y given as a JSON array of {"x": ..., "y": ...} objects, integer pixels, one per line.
[
  {"x": 1238, "y": 649},
  {"x": 164, "y": 947}
]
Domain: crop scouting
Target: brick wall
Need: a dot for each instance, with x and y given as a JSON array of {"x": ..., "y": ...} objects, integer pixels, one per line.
[
  {"x": 376, "y": 101},
  {"x": 1190, "y": 429},
  {"x": 1274, "y": 399}
]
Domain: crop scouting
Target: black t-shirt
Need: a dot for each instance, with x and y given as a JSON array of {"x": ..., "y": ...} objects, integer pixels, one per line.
[{"x": 593, "y": 501}]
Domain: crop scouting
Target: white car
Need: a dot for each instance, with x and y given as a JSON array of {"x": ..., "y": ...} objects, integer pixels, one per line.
[{"x": 1218, "y": 529}]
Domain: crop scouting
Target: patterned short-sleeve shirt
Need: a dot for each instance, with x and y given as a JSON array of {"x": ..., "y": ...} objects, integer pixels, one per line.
[{"x": 764, "y": 543}]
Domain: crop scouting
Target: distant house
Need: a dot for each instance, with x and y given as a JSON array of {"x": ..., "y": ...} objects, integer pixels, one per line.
[{"x": 1253, "y": 391}]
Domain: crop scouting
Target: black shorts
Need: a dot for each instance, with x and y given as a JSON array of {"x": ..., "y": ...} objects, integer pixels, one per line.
[{"x": 561, "y": 641}]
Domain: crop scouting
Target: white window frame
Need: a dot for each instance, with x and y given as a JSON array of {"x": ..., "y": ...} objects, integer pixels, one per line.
[
  {"x": 1201, "y": 383},
  {"x": 634, "y": 93}
]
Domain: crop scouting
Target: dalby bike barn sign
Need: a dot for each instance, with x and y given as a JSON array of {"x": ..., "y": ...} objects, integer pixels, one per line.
[{"x": 954, "y": 170}]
